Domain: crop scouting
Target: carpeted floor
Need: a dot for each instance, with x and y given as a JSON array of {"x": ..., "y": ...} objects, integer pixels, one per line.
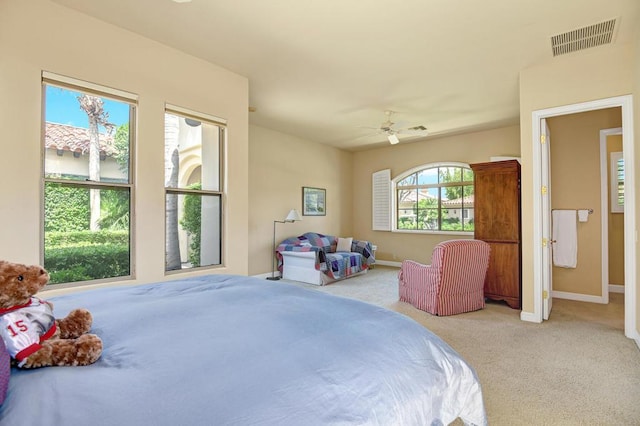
[{"x": 578, "y": 368}]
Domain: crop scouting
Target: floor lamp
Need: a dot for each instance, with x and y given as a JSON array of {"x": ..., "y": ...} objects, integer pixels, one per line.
[{"x": 293, "y": 216}]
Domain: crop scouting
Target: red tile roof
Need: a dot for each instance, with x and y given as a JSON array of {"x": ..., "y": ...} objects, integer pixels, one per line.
[
  {"x": 74, "y": 139},
  {"x": 410, "y": 197},
  {"x": 468, "y": 202}
]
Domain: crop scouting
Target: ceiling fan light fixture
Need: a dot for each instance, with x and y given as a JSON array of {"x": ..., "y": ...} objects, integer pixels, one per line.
[{"x": 393, "y": 139}]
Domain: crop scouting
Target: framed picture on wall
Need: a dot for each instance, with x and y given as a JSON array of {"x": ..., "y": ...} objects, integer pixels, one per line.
[{"x": 314, "y": 201}]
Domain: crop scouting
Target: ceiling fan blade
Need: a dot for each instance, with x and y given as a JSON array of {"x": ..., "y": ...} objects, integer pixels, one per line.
[
  {"x": 393, "y": 130},
  {"x": 419, "y": 127},
  {"x": 415, "y": 131},
  {"x": 400, "y": 125}
]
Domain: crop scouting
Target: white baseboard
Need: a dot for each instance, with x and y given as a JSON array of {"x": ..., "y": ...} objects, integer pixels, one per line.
[
  {"x": 388, "y": 263},
  {"x": 615, "y": 288},
  {"x": 577, "y": 296},
  {"x": 378, "y": 262},
  {"x": 530, "y": 317},
  {"x": 635, "y": 336}
]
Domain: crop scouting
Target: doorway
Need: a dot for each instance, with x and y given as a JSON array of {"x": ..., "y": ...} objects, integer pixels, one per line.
[
  {"x": 612, "y": 202},
  {"x": 576, "y": 193},
  {"x": 541, "y": 248}
]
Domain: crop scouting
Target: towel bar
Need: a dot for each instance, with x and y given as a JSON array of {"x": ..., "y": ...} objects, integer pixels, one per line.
[{"x": 589, "y": 210}]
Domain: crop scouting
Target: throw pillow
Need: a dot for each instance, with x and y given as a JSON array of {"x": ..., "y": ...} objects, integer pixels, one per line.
[{"x": 344, "y": 244}]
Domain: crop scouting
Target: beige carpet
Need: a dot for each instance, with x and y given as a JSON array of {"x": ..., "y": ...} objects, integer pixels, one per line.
[{"x": 575, "y": 369}]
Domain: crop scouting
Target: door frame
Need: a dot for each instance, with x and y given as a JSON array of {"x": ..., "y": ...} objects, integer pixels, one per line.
[
  {"x": 547, "y": 254},
  {"x": 604, "y": 205},
  {"x": 626, "y": 103}
]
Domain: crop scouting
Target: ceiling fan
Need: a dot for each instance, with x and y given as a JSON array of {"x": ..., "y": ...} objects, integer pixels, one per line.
[{"x": 392, "y": 130}]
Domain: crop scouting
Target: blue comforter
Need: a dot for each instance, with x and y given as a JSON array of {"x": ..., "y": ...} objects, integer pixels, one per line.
[{"x": 232, "y": 350}]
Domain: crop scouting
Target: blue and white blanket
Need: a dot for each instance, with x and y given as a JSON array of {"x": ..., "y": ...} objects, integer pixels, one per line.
[{"x": 336, "y": 265}]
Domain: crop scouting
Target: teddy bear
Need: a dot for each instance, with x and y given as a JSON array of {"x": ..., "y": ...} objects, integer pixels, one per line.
[{"x": 33, "y": 336}]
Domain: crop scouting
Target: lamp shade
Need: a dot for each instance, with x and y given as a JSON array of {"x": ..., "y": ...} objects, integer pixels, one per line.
[
  {"x": 393, "y": 139},
  {"x": 293, "y": 216}
]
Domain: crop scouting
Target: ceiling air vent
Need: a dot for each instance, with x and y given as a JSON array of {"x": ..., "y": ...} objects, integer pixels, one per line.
[{"x": 583, "y": 38}]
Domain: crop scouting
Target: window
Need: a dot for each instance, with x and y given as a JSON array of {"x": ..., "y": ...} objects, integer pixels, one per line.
[
  {"x": 193, "y": 189},
  {"x": 436, "y": 197},
  {"x": 87, "y": 141},
  {"x": 617, "y": 182}
]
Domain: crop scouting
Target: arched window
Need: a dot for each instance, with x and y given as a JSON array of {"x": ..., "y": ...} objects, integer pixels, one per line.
[{"x": 434, "y": 197}]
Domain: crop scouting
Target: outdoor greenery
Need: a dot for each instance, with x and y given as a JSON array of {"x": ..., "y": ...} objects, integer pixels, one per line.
[
  {"x": 121, "y": 144},
  {"x": 114, "y": 210},
  {"x": 427, "y": 219},
  {"x": 66, "y": 208},
  {"x": 453, "y": 224},
  {"x": 86, "y": 255},
  {"x": 431, "y": 187},
  {"x": 73, "y": 252},
  {"x": 456, "y": 174},
  {"x": 191, "y": 222},
  {"x": 85, "y": 238}
]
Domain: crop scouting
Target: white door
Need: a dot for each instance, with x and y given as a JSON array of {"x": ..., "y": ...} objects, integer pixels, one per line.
[
  {"x": 547, "y": 245},
  {"x": 541, "y": 309}
]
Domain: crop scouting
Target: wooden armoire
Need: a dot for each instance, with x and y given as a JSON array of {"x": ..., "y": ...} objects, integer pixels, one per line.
[{"x": 497, "y": 221}]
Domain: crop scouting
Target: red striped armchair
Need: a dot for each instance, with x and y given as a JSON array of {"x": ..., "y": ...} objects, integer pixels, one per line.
[{"x": 452, "y": 284}]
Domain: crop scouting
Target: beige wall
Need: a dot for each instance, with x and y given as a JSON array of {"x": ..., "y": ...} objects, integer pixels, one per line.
[
  {"x": 467, "y": 148},
  {"x": 38, "y": 35},
  {"x": 575, "y": 184},
  {"x": 563, "y": 81},
  {"x": 280, "y": 165},
  {"x": 616, "y": 221}
]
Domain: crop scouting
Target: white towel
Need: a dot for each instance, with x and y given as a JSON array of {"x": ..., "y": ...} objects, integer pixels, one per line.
[
  {"x": 583, "y": 215},
  {"x": 565, "y": 234}
]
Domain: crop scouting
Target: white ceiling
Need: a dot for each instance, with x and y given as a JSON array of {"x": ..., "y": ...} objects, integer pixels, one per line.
[{"x": 326, "y": 70}]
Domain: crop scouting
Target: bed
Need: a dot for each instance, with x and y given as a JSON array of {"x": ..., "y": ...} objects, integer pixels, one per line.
[{"x": 234, "y": 350}]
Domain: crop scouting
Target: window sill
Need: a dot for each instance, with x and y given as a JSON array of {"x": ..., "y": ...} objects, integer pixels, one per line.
[{"x": 403, "y": 231}]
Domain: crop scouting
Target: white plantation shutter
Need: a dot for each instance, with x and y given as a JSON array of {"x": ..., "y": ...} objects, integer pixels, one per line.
[{"x": 381, "y": 201}]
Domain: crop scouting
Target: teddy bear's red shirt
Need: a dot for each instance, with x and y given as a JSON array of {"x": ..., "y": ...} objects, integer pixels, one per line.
[{"x": 24, "y": 327}]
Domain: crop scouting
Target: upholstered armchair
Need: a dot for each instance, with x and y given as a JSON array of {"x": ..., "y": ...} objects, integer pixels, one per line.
[{"x": 452, "y": 284}]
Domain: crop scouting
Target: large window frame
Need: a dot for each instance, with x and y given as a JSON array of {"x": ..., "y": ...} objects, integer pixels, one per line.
[
  {"x": 408, "y": 181},
  {"x": 125, "y": 186},
  {"x": 200, "y": 202}
]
